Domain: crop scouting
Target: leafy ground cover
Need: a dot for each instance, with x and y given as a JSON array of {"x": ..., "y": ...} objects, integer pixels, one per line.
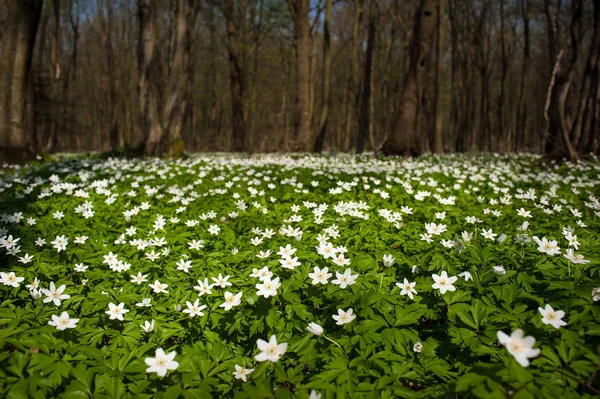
[{"x": 300, "y": 276}]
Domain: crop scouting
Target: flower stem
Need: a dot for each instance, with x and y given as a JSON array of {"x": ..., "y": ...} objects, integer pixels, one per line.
[{"x": 339, "y": 346}]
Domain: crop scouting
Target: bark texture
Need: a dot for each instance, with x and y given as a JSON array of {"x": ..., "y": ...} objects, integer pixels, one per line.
[
  {"x": 405, "y": 139},
  {"x": 19, "y": 20},
  {"x": 299, "y": 10}
]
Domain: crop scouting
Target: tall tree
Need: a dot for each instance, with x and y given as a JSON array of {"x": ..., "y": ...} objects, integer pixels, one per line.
[
  {"x": 162, "y": 124},
  {"x": 352, "y": 83},
  {"x": 582, "y": 125},
  {"x": 147, "y": 81},
  {"x": 326, "y": 79},
  {"x": 405, "y": 138},
  {"x": 186, "y": 12},
  {"x": 437, "y": 143},
  {"x": 520, "y": 122},
  {"x": 557, "y": 141},
  {"x": 299, "y": 10},
  {"x": 365, "y": 99},
  {"x": 237, "y": 79},
  {"x": 19, "y": 20}
]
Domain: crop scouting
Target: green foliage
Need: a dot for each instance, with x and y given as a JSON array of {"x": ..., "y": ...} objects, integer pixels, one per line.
[{"x": 365, "y": 205}]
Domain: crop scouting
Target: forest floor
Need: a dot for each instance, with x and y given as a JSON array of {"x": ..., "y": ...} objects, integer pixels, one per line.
[{"x": 298, "y": 276}]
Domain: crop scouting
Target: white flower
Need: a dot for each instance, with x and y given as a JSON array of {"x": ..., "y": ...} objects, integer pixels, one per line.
[
  {"x": 577, "y": 259},
  {"x": 145, "y": 303},
  {"x": 261, "y": 274},
  {"x": 161, "y": 363},
  {"x": 314, "y": 395},
  {"x": 548, "y": 247},
  {"x": 263, "y": 254},
  {"x": 63, "y": 322},
  {"x": 35, "y": 293},
  {"x": 11, "y": 279},
  {"x": 488, "y": 234},
  {"x": 417, "y": 347},
  {"x": 596, "y": 294},
  {"x": 34, "y": 284},
  {"x": 139, "y": 278},
  {"x": 341, "y": 260},
  {"x": 388, "y": 260},
  {"x": 270, "y": 350},
  {"x": 241, "y": 373},
  {"x": 222, "y": 281},
  {"x": 327, "y": 250},
  {"x": 184, "y": 265},
  {"x": 25, "y": 259},
  {"x": 81, "y": 239},
  {"x": 443, "y": 282},
  {"x": 524, "y": 213},
  {"x": 466, "y": 236},
  {"x": 314, "y": 328},
  {"x": 55, "y": 295},
  {"x": 231, "y": 300},
  {"x": 159, "y": 287},
  {"x": 344, "y": 317},
  {"x": 194, "y": 309},
  {"x": 116, "y": 312},
  {"x": 466, "y": 275},
  {"x": 268, "y": 287},
  {"x": 214, "y": 229},
  {"x": 499, "y": 269},
  {"x": 346, "y": 279},
  {"x": 320, "y": 276},
  {"x": 289, "y": 263},
  {"x": 203, "y": 287},
  {"x": 196, "y": 244},
  {"x": 408, "y": 288},
  {"x": 448, "y": 243},
  {"x": 426, "y": 237},
  {"x": 60, "y": 243},
  {"x": 518, "y": 346},
  {"x": 80, "y": 267},
  {"x": 148, "y": 326},
  {"x": 551, "y": 316}
]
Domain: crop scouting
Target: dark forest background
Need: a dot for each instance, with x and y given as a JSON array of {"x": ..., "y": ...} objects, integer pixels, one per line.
[{"x": 397, "y": 76}]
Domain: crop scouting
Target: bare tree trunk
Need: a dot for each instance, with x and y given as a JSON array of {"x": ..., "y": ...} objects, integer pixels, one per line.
[
  {"x": 557, "y": 142},
  {"x": 351, "y": 93},
  {"x": 364, "y": 118},
  {"x": 114, "y": 138},
  {"x": 299, "y": 10},
  {"x": 502, "y": 138},
  {"x": 66, "y": 124},
  {"x": 520, "y": 125},
  {"x": 405, "y": 138},
  {"x": 19, "y": 20},
  {"x": 326, "y": 81},
  {"x": 174, "y": 112},
  {"x": 151, "y": 127},
  {"x": 237, "y": 80},
  {"x": 438, "y": 138},
  {"x": 590, "y": 75}
]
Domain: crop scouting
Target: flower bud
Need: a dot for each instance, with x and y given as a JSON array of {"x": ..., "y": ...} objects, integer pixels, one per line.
[
  {"x": 315, "y": 329},
  {"x": 418, "y": 347},
  {"x": 499, "y": 269}
]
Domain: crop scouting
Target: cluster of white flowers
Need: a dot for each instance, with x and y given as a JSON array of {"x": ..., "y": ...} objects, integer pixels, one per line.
[{"x": 245, "y": 188}]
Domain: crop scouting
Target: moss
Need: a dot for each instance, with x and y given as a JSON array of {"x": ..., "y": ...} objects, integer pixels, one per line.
[{"x": 175, "y": 148}]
